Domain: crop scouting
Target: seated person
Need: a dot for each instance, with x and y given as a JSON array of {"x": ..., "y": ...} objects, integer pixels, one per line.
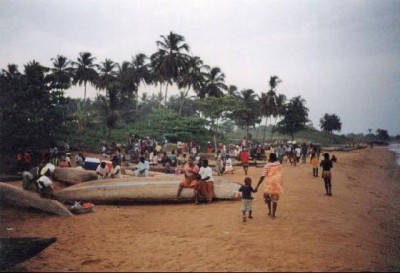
[
  {"x": 174, "y": 158},
  {"x": 143, "y": 167},
  {"x": 166, "y": 162},
  {"x": 190, "y": 170},
  {"x": 29, "y": 179},
  {"x": 63, "y": 163},
  {"x": 116, "y": 172},
  {"x": 79, "y": 159},
  {"x": 154, "y": 158},
  {"x": 102, "y": 170},
  {"x": 68, "y": 159}
]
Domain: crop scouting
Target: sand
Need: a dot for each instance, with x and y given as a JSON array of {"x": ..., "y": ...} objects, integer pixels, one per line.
[{"x": 357, "y": 229}]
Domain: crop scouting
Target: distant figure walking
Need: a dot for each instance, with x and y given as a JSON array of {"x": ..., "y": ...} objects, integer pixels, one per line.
[
  {"x": 314, "y": 164},
  {"x": 326, "y": 165},
  {"x": 244, "y": 158}
]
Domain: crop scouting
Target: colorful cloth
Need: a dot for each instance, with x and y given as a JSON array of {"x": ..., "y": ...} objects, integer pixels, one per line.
[
  {"x": 274, "y": 178},
  {"x": 314, "y": 162}
]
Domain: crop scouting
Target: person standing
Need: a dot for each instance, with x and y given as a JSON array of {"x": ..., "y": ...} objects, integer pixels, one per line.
[
  {"x": 219, "y": 164},
  {"x": 273, "y": 175},
  {"x": 326, "y": 165},
  {"x": 228, "y": 164},
  {"x": 205, "y": 187},
  {"x": 244, "y": 158},
  {"x": 314, "y": 164}
]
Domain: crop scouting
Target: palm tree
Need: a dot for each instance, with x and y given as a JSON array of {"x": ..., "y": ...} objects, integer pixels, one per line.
[
  {"x": 295, "y": 118},
  {"x": 192, "y": 78},
  {"x": 170, "y": 61},
  {"x": 214, "y": 84},
  {"x": 61, "y": 73},
  {"x": 140, "y": 73},
  {"x": 85, "y": 70},
  {"x": 11, "y": 72},
  {"x": 247, "y": 114},
  {"x": 233, "y": 91},
  {"x": 125, "y": 79},
  {"x": 107, "y": 74},
  {"x": 273, "y": 82}
]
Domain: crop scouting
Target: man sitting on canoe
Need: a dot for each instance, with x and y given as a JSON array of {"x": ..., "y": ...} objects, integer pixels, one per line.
[
  {"x": 190, "y": 170},
  {"x": 143, "y": 167}
]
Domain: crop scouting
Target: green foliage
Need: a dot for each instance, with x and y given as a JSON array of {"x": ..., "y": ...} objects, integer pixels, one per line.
[
  {"x": 164, "y": 122},
  {"x": 33, "y": 117},
  {"x": 295, "y": 118},
  {"x": 245, "y": 111},
  {"x": 330, "y": 123},
  {"x": 382, "y": 134}
]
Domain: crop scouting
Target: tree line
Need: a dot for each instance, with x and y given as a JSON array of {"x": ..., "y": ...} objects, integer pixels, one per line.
[{"x": 36, "y": 113}]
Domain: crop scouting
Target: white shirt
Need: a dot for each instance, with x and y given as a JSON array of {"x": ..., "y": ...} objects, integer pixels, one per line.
[
  {"x": 45, "y": 180},
  {"x": 102, "y": 171},
  {"x": 206, "y": 172},
  {"x": 117, "y": 171},
  {"x": 49, "y": 167}
]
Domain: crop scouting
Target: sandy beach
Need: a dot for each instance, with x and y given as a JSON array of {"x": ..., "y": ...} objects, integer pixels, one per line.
[{"x": 357, "y": 229}]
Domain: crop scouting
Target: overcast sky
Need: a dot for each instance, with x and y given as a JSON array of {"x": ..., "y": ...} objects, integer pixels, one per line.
[{"x": 342, "y": 57}]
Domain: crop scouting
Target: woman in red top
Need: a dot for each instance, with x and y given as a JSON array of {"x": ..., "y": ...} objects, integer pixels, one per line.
[{"x": 244, "y": 158}]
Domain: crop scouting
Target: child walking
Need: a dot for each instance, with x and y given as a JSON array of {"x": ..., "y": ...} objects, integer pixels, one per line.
[
  {"x": 314, "y": 164},
  {"x": 246, "y": 190}
]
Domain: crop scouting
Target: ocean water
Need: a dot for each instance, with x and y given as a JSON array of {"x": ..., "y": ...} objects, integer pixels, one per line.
[{"x": 395, "y": 147}]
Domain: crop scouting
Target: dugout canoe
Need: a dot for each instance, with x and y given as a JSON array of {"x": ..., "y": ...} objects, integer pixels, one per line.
[
  {"x": 17, "y": 197},
  {"x": 74, "y": 176},
  {"x": 145, "y": 189},
  {"x": 17, "y": 250}
]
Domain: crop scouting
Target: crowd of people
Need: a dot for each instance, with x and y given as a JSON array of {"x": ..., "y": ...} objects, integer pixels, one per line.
[{"x": 187, "y": 160}]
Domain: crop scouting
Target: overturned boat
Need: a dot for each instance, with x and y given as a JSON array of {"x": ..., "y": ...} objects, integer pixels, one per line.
[
  {"x": 157, "y": 189},
  {"x": 16, "y": 197},
  {"x": 18, "y": 250}
]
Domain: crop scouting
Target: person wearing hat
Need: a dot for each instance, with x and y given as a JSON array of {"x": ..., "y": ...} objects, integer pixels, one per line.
[{"x": 143, "y": 167}]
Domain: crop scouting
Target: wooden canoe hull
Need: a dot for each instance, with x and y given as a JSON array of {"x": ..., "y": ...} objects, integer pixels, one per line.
[
  {"x": 17, "y": 250},
  {"x": 13, "y": 196},
  {"x": 161, "y": 189},
  {"x": 74, "y": 176}
]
